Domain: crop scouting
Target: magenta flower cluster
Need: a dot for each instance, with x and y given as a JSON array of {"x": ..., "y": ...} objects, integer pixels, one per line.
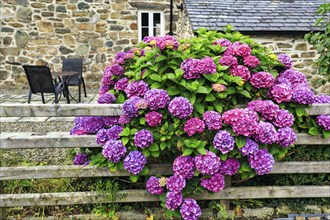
[
  {"x": 180, "y": 107},
  {"x": 157, "y": 98},
  {"x": 134, "y": 162},
  {"x": 136, "y": 88},
  {"x": 215, "y": 183},
  {"x": 162, "y": 42},
  {"x": 114, "y": 150},
  {"x": 80, "y": 159},
  {"x": 153, "y": 118},
  {"x": 194, "y": 68},
  {"x": 193, "y": 126},
  {"x": 223, "y": 141},
  {"x": 190, "y": 210},
  {"x": 229, "y": 167},
  {"x": 286, "y": 60},
  {"x": 262, "y": 80},
  {"x": 173, "y": 200},
  {"x": 175, "y": 183},
  {"x": 153, "y": 186},
  {"x": 262, "y": 161},
  {"x": 212, "y": 120},
  {"x": 184, "y": 167},
  {"x": 207, "y": 164},
  {"x": 106, "y": 98},
  {"x": 286, "y": 136},
  {"x": 323, "y": 121},
  {"x": 143, "y": 138},
  {"x": 87, "y": 125},
  {"x": 249, "y": 148}
]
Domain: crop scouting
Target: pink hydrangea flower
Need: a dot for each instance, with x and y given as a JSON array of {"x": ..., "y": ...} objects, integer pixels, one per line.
[
  {"x": 241, "y": 71},
  {"x": 251, "y": 61},
  {"x": 193, "y": 126},
  {"x": 262, "y": 80}
]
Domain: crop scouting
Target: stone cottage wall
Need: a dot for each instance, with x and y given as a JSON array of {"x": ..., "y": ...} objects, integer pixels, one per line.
[{"x": 47, "y": 31}]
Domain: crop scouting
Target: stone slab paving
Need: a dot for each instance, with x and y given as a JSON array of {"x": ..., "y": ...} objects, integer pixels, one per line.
[{"x": 22, "y": 99}]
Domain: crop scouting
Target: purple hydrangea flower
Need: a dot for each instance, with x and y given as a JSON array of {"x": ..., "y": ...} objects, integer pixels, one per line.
[
  {"x": 104, "y": 89},
  {"x": 207, "y": 164},
  {"x": 223, "y": 141},
  {"x": 251, "y": 61},
  {"x": 143, "y": 138},
  {"x": 266, "y": 133},
  {"x": 249, "y": 148},
  {"x": 241, "y": 71},
  {"x": 215, "y": 183},
  {"x": 323, "y": 121},
  {"x": 106, "y": 98},
  {"x": 121, "y": 84},
  {"x": 175, "y": 183},
  {"x": 286, "y": 60},
  {"x": 153, "y": 186},
  {"x": 246, "y": 126},
  {"x": 101, "y": 136},
  {"x": 180, "y": 107},
  {"x": 134, "y": 162},
  {"x": 153, "y": 118},
  {"x": 262, "y": 161},
  {"x": 303, "y": 95},
  {"x": 286, "y": 136},
  {"x": 114, "y": 150},
  {"x": 80, "y": 159},
  {"x": 157, "y": 98},
  {"x": 228, "y": 60},
  {"x": 88, "y": 124},
  {"x": 222, "y": 42},
  {"x": 293, "y": 76},
  {"x": 229, "y": 166},
  {"x": 232, "y": 116},
  {"x": 262, "y": 80},
  {"x": 110, "y": 121},
  {"x": 107, "y": 77},
  {"x": 116, "y": 70},
  {"x": 212, "y": 120},
  {"x": 124, "y": 119},
  {"x": 193, "y": 126},
  {"x": 322, "y": 99},
  {"x": 266, "y": 108},
  {"x": 184, "y": 167},
  {"x": 190, "y": 210},
  {"x": 283, "y": 118},
  {"x": 173, "y": 200},
  {"x": 193, "y": 68},
  {"x": 136, "y": 88},
  {"x": 114, "y": 132},
  {"x": 131, "y": 106},
  {"x": 280, "y": 92},
  {"x": 166, "y": 42},
  {"x": 243, "y": 50}
]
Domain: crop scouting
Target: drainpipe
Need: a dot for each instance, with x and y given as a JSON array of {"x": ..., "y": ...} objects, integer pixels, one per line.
[{"x": 171, "y": 18}]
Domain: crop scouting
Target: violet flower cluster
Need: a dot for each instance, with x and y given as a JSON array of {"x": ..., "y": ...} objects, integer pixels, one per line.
[
  {"x": 143, "y": 138},
  {"x": 194, "y": 68},
  {"x": 175, "y": 183},
  {"x": 162, "y": 42},
  {"x": 223, "y": 141},
  {"x": 81, "y": 159},
  {"x": 157, "y": 98},
  {"x": 215, "y": 183},
  {"x": 114, "y": 150},
  {"x": 114, "y": 132},
  {"x": 184, "y": 167},
  {"x": 153, "y": 186},
  {"x": 132, "y": 105},
  {"x": 207, "y": 164},
  {"x": 134, "y": 162},
  {"x": 229, "y": 166},
  {"x": 322, "y": 98},
  {"x": 173, "y": 200},
  {"x": 136, "y": 88},
  {"x": 212, "y": 120},
  {"x": 241, "y": 71},
  {"x": 153, "y": 118},
  {"x": 286, "y": 60},
  {"x": 106, "y": 98},
  {"x": 190, "y": 210},
  {"x": 262, "y": 161},
  {"x": 121, "y": 84},
  {"x": 193, "y": 126},
  {"x": 249, "y": 148},
  {"x": 87, "y": 125},
  {"x": 262, "y": 80},
  {"x": 266, "y": 133},
  {"x": 180, "y": 107},
  {"x": 286, "y": 136},
  {"x": 222, "y": 42},
  {"x": 303, "y": 95},
  {"x": 323, "y": 121},
  {"x": 110, "y": 121}
]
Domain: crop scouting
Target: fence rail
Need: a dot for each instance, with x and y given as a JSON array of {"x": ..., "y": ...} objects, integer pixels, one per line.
[{"x": 30, "y": 140}]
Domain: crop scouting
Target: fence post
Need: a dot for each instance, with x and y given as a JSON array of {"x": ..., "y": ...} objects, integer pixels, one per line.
[
  {"x": 2, "y": 209},
  {"x": 226, "y": 203}
]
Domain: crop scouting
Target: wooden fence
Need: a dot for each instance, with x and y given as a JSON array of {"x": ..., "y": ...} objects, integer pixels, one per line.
[{"x": 29, "y": 140}]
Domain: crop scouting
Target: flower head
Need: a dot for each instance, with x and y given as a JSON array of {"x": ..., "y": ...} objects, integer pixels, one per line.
[
  {"x": 262, "y": 161},
  {"x": 153, "y": 118},
  {"x": 294, "y": 77},
  {"x": 249, "y": 148},
  {"x": 266, "y": 108},
  {"x": 280, "y": 92},
  {"x": 184, "y": 167},
  {"x": 180, "y": 107},
  {"x": 283, "y": 118},
  {"x": 88, "y": 124},
  {"x": 193, "y": 68},
  {"x": 266, "y": 133},
  {"x": 323, "y": 121},
  {"x": 251, "y": 61},
  {"x": 80, "y": 159},
  {"x": 243, "y": 50},
  {"x": 190, "y": 210},
  {"x": 286, "y": 136},
  {"x": 131, "y": 106},
  {"x": 114, "y": 150},
  {"x": 143, "y": 138},
  {"x": 110, "y": 121},
  {"x": 173, "y": 200},
  {"x": 322, "y": 99},
  {"x": 114, "y": 132},
  {"x": 153, "y": 186},
  {"x": 101, "y": 136},
  {"x": 157, "y": 98},
  {"x": 228, "y": 60},
  {"x": 175, "y": 183},
  {"x": 262, "y": 80},
  {"x": 193, "y": 126},
  {"x": 207, "y": 164},
  {"x": 121, "y": 84},
  {"x": 219, "y": 87},
  {"x": 241, "y": 71},
  {"x": 106, "y": 98},
  {"x": 134, "y": 162},
  {"x": 136, "y": 88},
  {"x": 222, "y": 42},
  {"x": 229, "y": 166},
  {"x": 285, "y": 59},
  {"x": 212, "y": 120},
  {"x": 215, "y": 183},
  {"x": 303, "y": 95},
  {"x": 223, "y": 141}
]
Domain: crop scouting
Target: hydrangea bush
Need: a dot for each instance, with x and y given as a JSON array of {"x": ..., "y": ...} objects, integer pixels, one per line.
[{"x": 219, "y": 103}]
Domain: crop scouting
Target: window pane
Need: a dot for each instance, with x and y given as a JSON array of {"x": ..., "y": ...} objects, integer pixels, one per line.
[
  {"x": 145, "y": 32},
  {"x": 156, "y": 31},
  {"x": 156, "y": 19},
  {"x": 145, "y": 19}
]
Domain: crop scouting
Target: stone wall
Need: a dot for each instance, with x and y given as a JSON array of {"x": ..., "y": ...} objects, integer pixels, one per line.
[{"x": 47, "y": 31}]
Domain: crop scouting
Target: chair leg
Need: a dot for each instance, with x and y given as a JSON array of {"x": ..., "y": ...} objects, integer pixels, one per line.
[
  {"x": 56, "y": 98},
  {"x": 83, "y": 81},
  {"x": 79, "y": 93},
  {"x": 66, "y": 89},
  {"x": 29, "y": 97},
  {"x": 43, "y": 98}
]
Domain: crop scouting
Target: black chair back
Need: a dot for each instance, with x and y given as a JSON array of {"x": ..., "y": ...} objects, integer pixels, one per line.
[
  {"x": 75, "y": 65},
  {"x": 40, "y": 79}
]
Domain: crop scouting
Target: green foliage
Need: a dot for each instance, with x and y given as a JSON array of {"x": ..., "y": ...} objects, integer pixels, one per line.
[{"x": 321, "y": 39}]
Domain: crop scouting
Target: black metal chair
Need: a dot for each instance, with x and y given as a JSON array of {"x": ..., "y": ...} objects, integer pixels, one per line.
[
  {"x": 76, "y": 65},
  {"x": 41, "y": 81}
]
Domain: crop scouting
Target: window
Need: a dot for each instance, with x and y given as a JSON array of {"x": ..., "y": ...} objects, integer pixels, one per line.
[{"x": 151, "y": 23}]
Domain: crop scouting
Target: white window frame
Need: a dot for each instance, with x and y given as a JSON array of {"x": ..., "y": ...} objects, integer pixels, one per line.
[{"x": 151, "y": 22}]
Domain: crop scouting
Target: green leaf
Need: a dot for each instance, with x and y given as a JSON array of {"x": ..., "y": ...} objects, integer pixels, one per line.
[
  {"x": 155, "y": 85},
  {"x": 218, "y": 106},
  {"x": 133, "y": 131},
  {"x": 199, "y": 107},
  {"x": 187, "y": 143},
  {"x": 210, "y": 98},
  {"x": 133, "y": 178},
  {"x": 162, "y": 145},
  {"x": 230, "y": 90},
  {"x": 156, "y": 77},
  {"x": 187, "y": 151},
  {"x": 300, "y": 111},
  {"x": 125, "y": 140},
  {"x": 326, "y": 134},
  {"x": 173, "y": 90},
  {"x": 162, "y": 197},
  {"x": 172, "y": 77},
  {"x": 179, "y": 72},
  {"x": 192, "y": 99},
  {"x": 223, "y": 157},
  {"x": 145, "y": 171},
  {"x": 202, "y": 90},
  {"x": 146, "y": 152},
  {"x": 125, "y": 132},
  {"x": 212, "y": 77},
  {"x": 153, "y": 147},
  {"x": 160, "y": 58},
  {"x": 245, "y": 167},
  {"x": 240, "y": 141},
  {"x": 154, "y": 68},
  {"x": 313, "y": 131},
  {"x": 120, "y": 98},
  {"x": 155, "y": 153},
  {"x": 142, "y": 121},
  {"x": 245, "y": 93},
  {"x": 201, "y": 150}
]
